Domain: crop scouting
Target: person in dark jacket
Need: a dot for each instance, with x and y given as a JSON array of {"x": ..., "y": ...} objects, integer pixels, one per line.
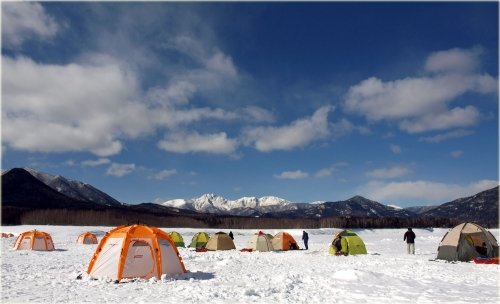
[
  {"x": 305, "y": 238},
  {"x": 231, "y": 235},
  {"x": 410, "y": 241}
]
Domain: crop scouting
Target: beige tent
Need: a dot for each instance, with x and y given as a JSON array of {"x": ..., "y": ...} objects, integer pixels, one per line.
[
  {"x": 260, "y": 242},
  {"x": 467, "y": 241},
  {"x": 220, "y": 241}
]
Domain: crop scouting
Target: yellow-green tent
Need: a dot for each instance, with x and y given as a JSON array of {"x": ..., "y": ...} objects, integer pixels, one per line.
[
  {"x": 199, "y": 240},
  {"x": 177, "y": 238},
  {"x": 350, "y": 243}
]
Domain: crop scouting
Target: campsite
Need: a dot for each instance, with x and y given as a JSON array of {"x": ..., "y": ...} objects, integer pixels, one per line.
[{"x": 229, "y": 276}]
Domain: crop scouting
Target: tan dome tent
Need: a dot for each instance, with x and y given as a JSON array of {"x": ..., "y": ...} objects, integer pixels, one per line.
[
  {"x": 284, "y": 241},
  {"x": 34, "y": 240},
  {"x": 467, "y": 241},
  {"x": 136, "y": 251},
  {"x": 260, "y": 242},
  {"x": 87, "y": 238},
  {"x": 220, "y": 241}
]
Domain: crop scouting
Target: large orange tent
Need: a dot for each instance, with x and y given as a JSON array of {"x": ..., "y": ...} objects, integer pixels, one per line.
[
  {"x": 136, "y": 251},
  {"x": 34, "y": 240},
  {"x": 284, "y": 241},
  {"x": 87, "y": 238}
]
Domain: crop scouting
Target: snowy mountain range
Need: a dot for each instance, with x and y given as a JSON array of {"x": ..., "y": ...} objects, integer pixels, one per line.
[
  {"x": 245, "y": 206},
  {"x": 278, "y": 207}
]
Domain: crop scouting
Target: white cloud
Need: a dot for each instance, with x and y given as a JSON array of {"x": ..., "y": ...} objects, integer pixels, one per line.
[
  {"x": 454, "y": 60},
  {"x": 442, "y": 137},
  {"x": 396, "y": 171},
  {"x": 74, "y": 107},
  {"x": 96, "y": 162},
  {"x": 454, "y": 118},
  {"x": 325, "y": 172},
  {"x": 298, "y": 174},
  {"x": 120, "y": 170},
  {"x": 396, "y": 149},
  {"x": 295, "y": 135},
  {"x": 457, "y": 153},
  {"x": 421, "y": 103},
  {"x": 424, "y": 192},
  {"x": 163, "y": 174},
  {"x": 22, "y": 21},
  {"x": 217, "y": 143}
]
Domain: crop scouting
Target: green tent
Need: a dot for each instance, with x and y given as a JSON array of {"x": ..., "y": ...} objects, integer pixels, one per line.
[
  {"x": 199, "y": 240},
  {"x": 350, "y": 243},
  {"x": 177, "y": 238},
  {"x": 269, "y": 236}
]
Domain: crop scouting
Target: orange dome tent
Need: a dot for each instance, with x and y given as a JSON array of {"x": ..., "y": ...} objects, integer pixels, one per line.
[
  {"x": 34, "y": 240},
  {"x": 136, "y": 251},
  {"x": 87, "y": 238},
  {"x": 284, "y": 241}
]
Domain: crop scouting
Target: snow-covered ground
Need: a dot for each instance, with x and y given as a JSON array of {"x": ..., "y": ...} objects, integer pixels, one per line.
[{"x": 386, "y": 274}]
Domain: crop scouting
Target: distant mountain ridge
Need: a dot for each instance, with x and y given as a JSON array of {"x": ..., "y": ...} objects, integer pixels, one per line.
[
  {"x": 74, "y": 189},
  {"x": 29, "y": 189}
]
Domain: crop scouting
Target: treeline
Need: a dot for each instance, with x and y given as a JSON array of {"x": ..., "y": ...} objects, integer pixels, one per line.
[{"x": 116, "y": 217}]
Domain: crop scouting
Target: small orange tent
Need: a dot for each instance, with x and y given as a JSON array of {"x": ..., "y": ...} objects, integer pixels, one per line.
[
  {"x": 87, "y": 238},
  {"x": 136, "y": 251},
  {"x": 34, "y": 240},
  {"x": 284, "y": 241}
]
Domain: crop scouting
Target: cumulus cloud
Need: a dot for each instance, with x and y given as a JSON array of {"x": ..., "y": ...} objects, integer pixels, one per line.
[
  {"x": 96, "y": 162},
  {"x": 299, "y": 133},
  {"x": 445, "y": 136},
  {"x": 298, "y": 174},
  {"x": 454, "y": 118},
  {"x": 392, "y": 172},
  {"x": 23, "y": 20},
  {"x": 454, "y": 60},
  {"x": 422, "y": 191},
  {"x": 396, "y": 149},
  {"x": 422, "y": 103},
  {"x": 120, "y": 170},
  {"x": 217, "y": 143},
  {"x": 74, "y": 107},
  {"x": 163, "y": 174}
]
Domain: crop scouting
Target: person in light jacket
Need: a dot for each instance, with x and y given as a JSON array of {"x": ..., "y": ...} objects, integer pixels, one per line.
[{"x": 409, "y": 237}]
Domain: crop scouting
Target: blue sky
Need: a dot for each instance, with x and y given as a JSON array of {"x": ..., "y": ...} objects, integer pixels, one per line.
[{"x": 397, "y": 102}]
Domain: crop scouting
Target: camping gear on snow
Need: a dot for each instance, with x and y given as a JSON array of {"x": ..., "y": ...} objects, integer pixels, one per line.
[
  {"x": 467, "y": 241},
  {"x": 284, "y": 241},
  {"x": 481, "y": 260},
  {"x": 199, "y": 240},
  {"x": 260, "y": 242},
  {"x": 350, "y": 243},
  {"x": 87, "y": 238},
  {"x": 7, "y": 235},
  {"x": 220, "y": 241},
  {"x": 34, "y": 240},
  {"x": 177, "y": 238},
  {"x": 136, "y": 251}
]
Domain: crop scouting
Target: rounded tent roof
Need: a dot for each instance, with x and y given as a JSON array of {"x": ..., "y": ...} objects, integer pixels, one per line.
[{"x": 33, "y": 235}]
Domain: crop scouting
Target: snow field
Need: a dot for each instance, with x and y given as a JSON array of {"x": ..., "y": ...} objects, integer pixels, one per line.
[{"x": 386, "y": 274}]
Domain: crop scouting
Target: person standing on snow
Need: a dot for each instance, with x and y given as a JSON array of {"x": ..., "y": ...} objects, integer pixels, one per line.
[
  {"x": 231, "y": 235},
  {"x": 305, "y": 238},
  {"x": 410, "y": 241}
]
